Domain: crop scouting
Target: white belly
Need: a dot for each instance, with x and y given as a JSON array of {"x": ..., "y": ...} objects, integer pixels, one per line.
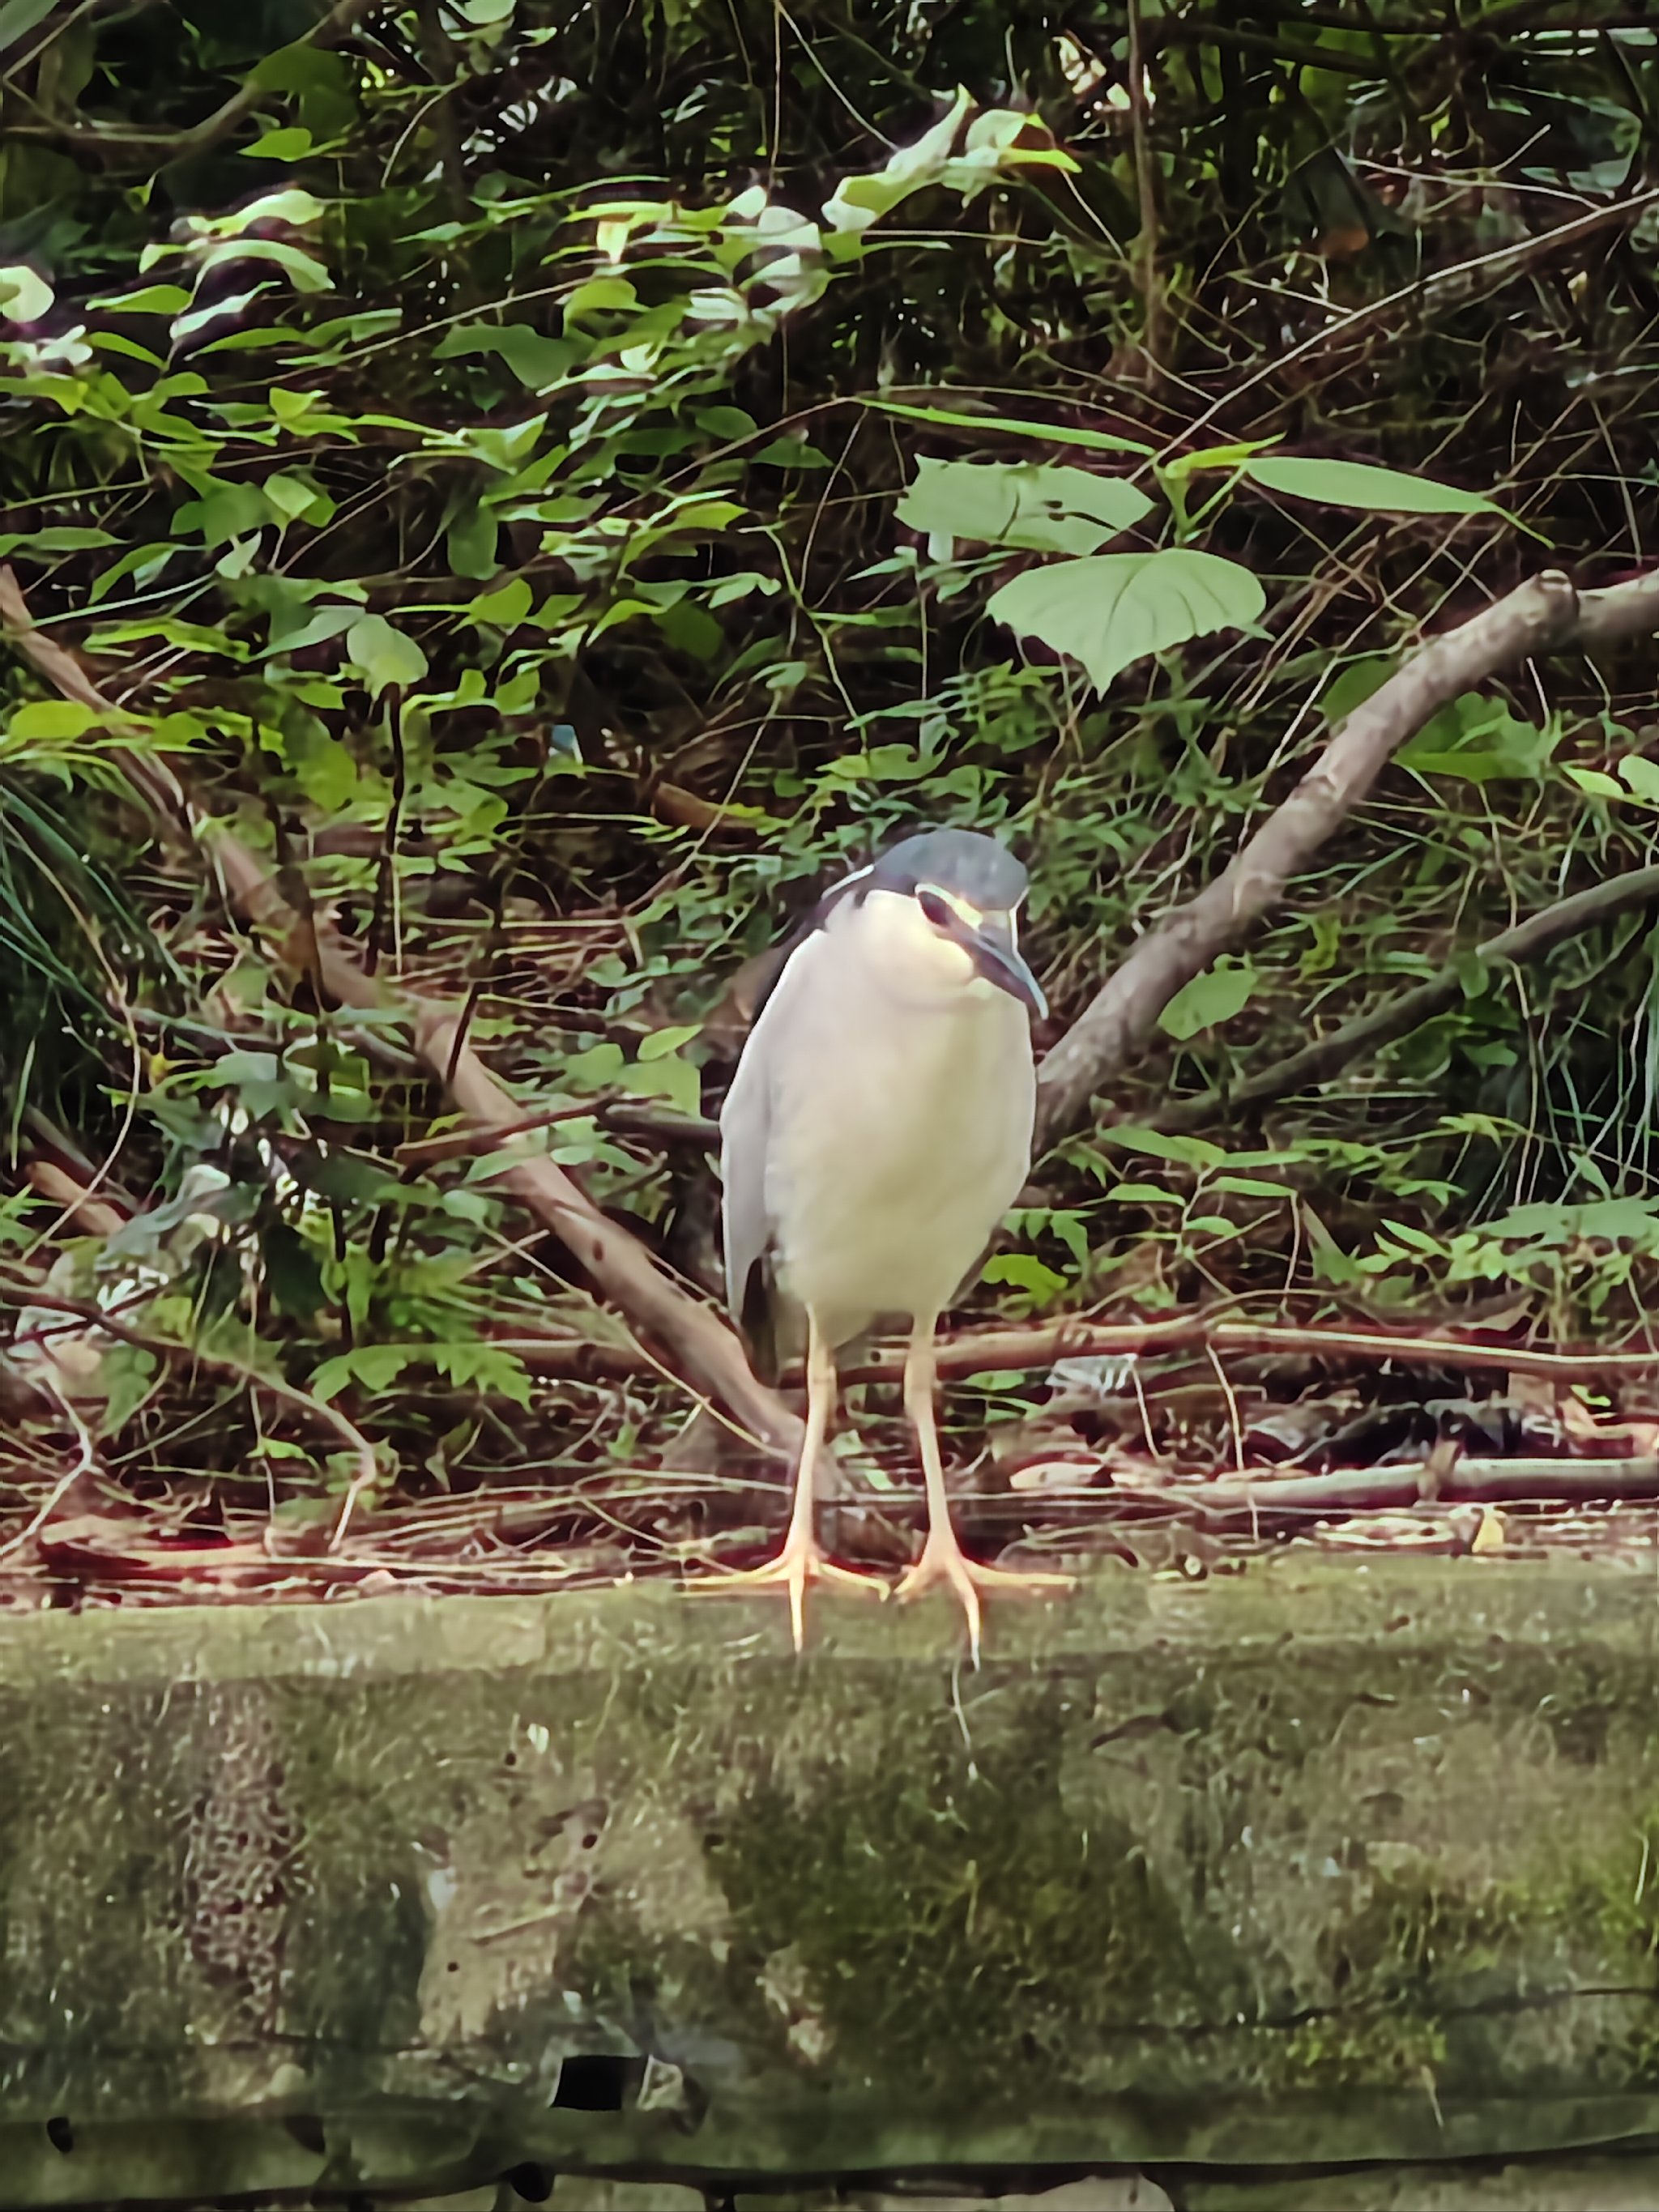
[{"x": 894, "y": 1148}]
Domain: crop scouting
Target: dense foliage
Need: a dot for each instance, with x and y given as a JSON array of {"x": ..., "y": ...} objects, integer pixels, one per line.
[{"x": 558, "y": 479}]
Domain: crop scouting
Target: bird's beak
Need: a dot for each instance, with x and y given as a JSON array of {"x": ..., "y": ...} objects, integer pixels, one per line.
[{"x": 992, "y": 949}]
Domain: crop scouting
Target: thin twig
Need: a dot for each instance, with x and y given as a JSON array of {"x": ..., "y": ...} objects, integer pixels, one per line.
[
  {"x": 990, "y": 1351},
  {"x": 1539, "y": 934},
  {"x": 1544, "y": 614},
  {"x": 1151, "y": 293},
  {"x": 252, "y": 1378},
  {"x": 161, "y": 147}
]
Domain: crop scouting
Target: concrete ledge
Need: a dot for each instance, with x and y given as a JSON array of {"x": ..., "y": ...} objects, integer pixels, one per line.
[{"x": 1319, "y": 1863}]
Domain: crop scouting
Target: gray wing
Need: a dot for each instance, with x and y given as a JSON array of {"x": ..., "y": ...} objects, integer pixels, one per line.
[
  {"x": 772, "y": 1323},
  {"x": 746, "y": 1121}
]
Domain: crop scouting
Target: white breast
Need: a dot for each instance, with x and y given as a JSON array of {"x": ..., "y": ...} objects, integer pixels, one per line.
[{"x": 899, "y": 1133}]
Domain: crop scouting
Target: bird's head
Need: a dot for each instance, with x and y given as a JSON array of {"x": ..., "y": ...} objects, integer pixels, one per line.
[{"x": 939, "y": 914}]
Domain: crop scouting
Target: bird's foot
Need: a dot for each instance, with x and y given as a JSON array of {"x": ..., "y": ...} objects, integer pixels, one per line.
[
  {"x": 944, "y": 1560},
  {"x": 799, "y": 1562}
]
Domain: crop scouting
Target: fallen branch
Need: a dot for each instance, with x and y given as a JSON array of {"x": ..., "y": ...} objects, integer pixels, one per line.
[
  {"x": 1539, "y": 933},
  {"x": 995, "y": 1351},
  {"x": 1542, "y": 616},
  {"x": 694, "y": 1336},
  {"x": 1232, "y": 1499},
  {"x": 217, "y": 1363}
]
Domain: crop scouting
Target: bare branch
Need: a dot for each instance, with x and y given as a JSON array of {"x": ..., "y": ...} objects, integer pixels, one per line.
[
  {"x": 1397, "y": 1017},
  {"x": 991, "y": 1350},
  {"x": 1541, "y": 615}
]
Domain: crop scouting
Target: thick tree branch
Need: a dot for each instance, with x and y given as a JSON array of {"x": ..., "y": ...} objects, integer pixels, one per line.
[
  {"x": 692, "y": 1335},
  {"x": 1538, "y": 616},
  {"x": 1528, "y": 940}
]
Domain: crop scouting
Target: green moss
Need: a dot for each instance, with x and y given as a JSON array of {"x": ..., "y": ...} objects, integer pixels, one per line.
[
  {"x": 952, "y": 1919},
  {"x": 1362, "y": 2050},
  {"x": 1411, "y": 1938}
]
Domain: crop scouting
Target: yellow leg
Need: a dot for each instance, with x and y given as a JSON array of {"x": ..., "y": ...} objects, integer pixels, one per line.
[
  {"x": 943, "y": 1559},
  {"x": 800, "y": 1561}
]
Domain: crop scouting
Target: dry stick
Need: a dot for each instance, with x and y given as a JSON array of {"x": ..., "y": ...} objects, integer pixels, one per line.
[
  {"x": 219, "y": 1363},
  {"x": 1568, "y": 917},
  {"x": 1146, "y": 194},
  {"x": 1359, "y": 1490},
  {"x": 1537, "y": 617},
  {"x": 694, "y": 1335},
  {"x": 990, "y": 1351}
]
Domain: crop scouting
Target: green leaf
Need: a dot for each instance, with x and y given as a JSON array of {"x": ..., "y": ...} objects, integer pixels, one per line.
[
  {"x": 1116, "y": 608},
  {"x": 471, "y": 544},
  {"x": 1592, "y": 780},
  {"x": 1357, "y": 484},
  {"x": 1024, "y": 1271},
  {"x": 1479, "y": 740},
  {"x": 376, "y": 1367},
  {"x": 19, "y": 17},
  {"x": 57, "y": 537},
  {"x": 51, "y": 720},
  {"x": 1215, "y": 996},
  {"x": 1212, "y": 457},
  {"x": 24, "y": 296},
  {"x": 289, "y": 144},
  {"x": 1643, "y": 777},
  {"x": 1055, "y": 434},
  {"x": 662, "y": 1043},
  {"x": 324, "y": 770},
  {"x": 150, "y": 300},
  {"x": 1353, "y": 684},
  {"x": 505, "y": 607},
  {"x": 384, "y": 654},
  {"x": 677, "y": 1080},
  {"x": 601, "y": 296},
  {"x": 1046, "y": 509},
  {"x": 536, "y": 360},
  {"x": 1159, "y": 1144},
  {"x": 292, "y": 497}
]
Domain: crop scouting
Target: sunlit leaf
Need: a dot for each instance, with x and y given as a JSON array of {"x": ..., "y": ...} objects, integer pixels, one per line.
[
  {"x": 1049, "y": 510},
  {"x": 1641, "y": 776},
  {"x": 1598, "y": 786},
  {"x": 25, "y": 297},
  {"x": 536, "y": 362},
  {"x": 384, "y": 654},
  {"x": 1115, "y": 608},
  {"x": 1359, "y": 484},
  {"x": 1055, "y": 434},
  {"x": 1215, "y": 996},
  {"x": 291, "y": 144},
  {"x": 506, "y": 606}
]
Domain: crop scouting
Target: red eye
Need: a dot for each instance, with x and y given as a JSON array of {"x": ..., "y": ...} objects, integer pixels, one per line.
[{"x": 935, "y": 908}]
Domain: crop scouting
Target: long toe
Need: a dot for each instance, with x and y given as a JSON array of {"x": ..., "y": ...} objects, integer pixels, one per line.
[
  {"x": 795, "y": 1566},
  {"x": 944, "y": 1560}
]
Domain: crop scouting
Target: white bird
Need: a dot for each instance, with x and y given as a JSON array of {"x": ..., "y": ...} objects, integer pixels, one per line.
[{"x": 878, "y": 1128}]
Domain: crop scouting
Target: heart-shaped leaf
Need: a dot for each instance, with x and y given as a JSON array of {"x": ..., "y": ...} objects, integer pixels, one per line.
[
  {"x": 1050, "y": 510},
  {"x": 385, "y": 654},
  {"x": 1115, "y": 608}
]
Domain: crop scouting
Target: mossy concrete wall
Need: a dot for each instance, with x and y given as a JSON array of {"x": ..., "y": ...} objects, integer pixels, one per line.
[{"x": 1314, "y": 1863}]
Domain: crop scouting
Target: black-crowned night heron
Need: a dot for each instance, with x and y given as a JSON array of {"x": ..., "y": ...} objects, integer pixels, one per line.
[{"x": 878, "y": 1128}]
